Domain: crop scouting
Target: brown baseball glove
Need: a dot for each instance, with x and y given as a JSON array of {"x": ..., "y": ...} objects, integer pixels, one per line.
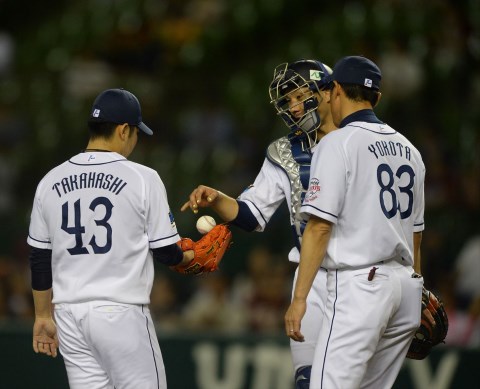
[
  {"x": 209, "y": 250},
  {"x": 428, "y": 334}
]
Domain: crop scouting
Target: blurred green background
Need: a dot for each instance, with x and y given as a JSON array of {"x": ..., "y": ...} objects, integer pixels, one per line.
[{"x": 201, "y": 69}]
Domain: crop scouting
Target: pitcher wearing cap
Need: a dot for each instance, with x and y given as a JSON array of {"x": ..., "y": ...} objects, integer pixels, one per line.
[
  {"x": 366, "y": 204},
  {"x": 97, "y": 222}
]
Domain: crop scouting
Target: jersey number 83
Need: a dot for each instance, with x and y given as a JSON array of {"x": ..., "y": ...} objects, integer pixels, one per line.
[{"x": 396, "y": 202}]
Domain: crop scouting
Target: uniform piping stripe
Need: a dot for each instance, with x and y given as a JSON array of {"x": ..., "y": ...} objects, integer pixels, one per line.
[
  {"x": 418, "y": 224},
  {"x": 151, "y": 346},
  {"x": 36, "y": 240},
  {"x": 331, "y": 326},
  {"x": 376, "y": 132},
  {"x": 319, "y": 210},
  {"x": 96, "y": 164},
  {"x": 157, "y": 240}
]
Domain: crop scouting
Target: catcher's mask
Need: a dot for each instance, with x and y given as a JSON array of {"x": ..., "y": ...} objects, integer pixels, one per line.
[{"x": 303, "y": 78}]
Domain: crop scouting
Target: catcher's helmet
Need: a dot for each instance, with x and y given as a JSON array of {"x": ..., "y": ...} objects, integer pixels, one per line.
[{"x": 308, "y": 77}]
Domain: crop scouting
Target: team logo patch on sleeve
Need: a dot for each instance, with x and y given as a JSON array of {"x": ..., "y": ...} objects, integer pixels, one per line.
[{"x": 313, "y": 190}]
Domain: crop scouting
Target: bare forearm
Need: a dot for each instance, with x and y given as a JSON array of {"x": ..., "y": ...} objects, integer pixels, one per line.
[
  {"x": 417, "y": 258},
  {"x": 225, "y": 206},
  {"x": 43, "y": 303},
  {"x": 314, "y": 245}
]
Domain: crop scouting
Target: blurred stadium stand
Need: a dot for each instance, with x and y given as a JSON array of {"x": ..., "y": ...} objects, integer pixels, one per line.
[{"x": 201, "y": 69}]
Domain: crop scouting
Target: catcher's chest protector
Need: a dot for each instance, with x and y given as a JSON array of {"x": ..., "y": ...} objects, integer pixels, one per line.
[{"x": 297, "y": 167}]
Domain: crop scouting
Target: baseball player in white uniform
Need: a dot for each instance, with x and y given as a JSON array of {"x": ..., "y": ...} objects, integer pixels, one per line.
[
  {"x": 97, "y": 222},
  {"x": 300, "y": 98},
  {"x": 366, "y": 205}
]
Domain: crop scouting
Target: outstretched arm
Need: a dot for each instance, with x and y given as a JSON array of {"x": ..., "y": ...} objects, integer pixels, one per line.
[{"x": 203, "y": 196}]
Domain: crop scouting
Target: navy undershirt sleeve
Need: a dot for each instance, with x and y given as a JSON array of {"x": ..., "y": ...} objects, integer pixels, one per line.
[
  {"x": 245, "y": 218},
  {"x": 170, "y": 255},
  {"x": 41, "y": 268}
]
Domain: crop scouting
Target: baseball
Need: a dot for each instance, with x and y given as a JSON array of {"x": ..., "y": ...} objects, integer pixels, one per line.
[{"x": 205, "y": 224}]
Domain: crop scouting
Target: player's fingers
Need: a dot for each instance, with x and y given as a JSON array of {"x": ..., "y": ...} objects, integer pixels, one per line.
[
  {"x": 199, "y": 195},
  {"x": 53, "y": 350},
  {"x": 35, "y": 346},
  {"x": 293, "y": 332},
  {"x": 191, "y": 203},
  {"x": 293, "y": 319},
  {"x": 296, "y": 336},
  {"x": 429, "y": 317},
  {"x": 290, "y": 326},
  {"x": 211, "y": 195},
  {"x": 41, "y": 348},
  {"x": 185, "y": 206}
]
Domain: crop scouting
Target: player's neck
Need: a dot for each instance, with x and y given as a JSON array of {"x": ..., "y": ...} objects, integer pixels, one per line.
[
  {"x": 97, "y": 150},
  {"x": 326, "y": 127},
  {"x": 349, "y": 107},
  {"x": 100, "y": 145}
]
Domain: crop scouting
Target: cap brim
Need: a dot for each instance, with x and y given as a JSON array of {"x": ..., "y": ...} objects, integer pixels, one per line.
[{"x": 145, "y": 129}]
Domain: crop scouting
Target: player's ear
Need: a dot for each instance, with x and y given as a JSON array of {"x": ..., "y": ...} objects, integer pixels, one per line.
[
  {"x": 123, "y": 131},
  {"x": 379, "y": 96},
  {"x": 336, "y": 90},
  {"x": 327, "y": 95}
]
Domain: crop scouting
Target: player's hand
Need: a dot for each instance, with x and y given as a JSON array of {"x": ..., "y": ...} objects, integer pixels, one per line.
[
  {"x": 201, "y": 197},
  {"x": 429, "y": 317},
  {"x": 426, "y": 314},
  {"x": 293, "y": 318},
  {"x": 45, "y": 339}
]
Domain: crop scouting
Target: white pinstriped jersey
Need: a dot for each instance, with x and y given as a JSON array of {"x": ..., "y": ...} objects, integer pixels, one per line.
[
  {"x": 368, "y": 180},
  {"x": 270, "y": 188},
  {"x": 100, "y": 214}
]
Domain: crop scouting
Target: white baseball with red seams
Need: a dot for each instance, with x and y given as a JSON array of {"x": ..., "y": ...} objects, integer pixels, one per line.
[{"x": 205, "y": 224}]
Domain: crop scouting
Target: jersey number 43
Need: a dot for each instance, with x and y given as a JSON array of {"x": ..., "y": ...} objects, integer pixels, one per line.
[{"x": 78, "y": 230}]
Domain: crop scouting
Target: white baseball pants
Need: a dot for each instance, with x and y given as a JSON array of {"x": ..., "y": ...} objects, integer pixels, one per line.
[
  {"x": 108, "y": 345},
  {"x": 367, "y": 328}
]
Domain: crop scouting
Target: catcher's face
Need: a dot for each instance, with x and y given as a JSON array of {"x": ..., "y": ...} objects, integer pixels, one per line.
[
  {"x": 292, "y": 95},
  {"x": 295, "y": 101}
]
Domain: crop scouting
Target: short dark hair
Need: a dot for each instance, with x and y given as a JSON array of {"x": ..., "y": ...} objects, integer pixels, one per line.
[
  {"x": 99, "y": 129},
  {"x": 360, "y": 93}
]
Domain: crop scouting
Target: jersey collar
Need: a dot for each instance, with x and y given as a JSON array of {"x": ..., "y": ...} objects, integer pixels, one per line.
[
  {"x": 96, "y": 158},
  {"x": 364, "y": 115}
]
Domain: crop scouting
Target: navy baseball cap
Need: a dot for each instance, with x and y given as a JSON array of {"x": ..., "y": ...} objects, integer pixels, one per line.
[
  {"x": 357, "y": 70},
  {"x": 118, "y": 106}
]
